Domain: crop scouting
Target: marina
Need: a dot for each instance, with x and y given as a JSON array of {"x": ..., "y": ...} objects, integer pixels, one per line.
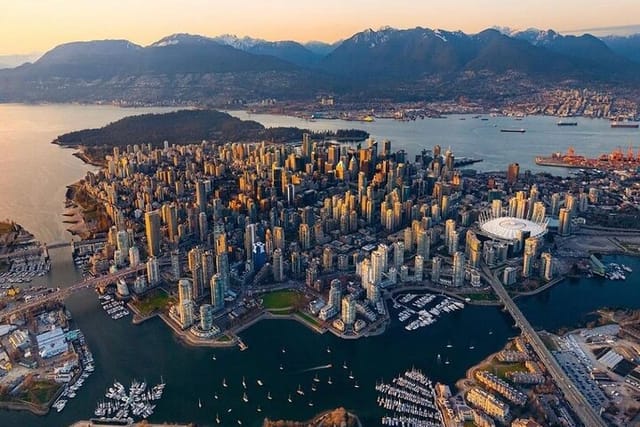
[
  {"x": 410, "y": 398},
  {"x": 425, "y": 317},
  {"x": 123, "y": 405},
  {"x": 115, "y": 309}
]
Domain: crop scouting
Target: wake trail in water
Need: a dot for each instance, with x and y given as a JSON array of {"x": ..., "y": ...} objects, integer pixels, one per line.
[{"x": 317, "y": 368}]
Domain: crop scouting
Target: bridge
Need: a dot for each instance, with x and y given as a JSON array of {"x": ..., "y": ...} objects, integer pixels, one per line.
[
  {"x": 63, "y": 293},
  {"x": 580, "y": 406}
]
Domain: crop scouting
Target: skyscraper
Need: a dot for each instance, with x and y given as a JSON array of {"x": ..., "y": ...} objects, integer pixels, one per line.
[
  {"x": 217, "y": 292},
  {"x": 348, "y": 312},
  {"x": 185, "y": 303},
  {"x": 278, "y": 266},
  {"x": 512, "y": 173},
  {"x": 436, "y": 265},
  {"x": 564, "y": 222},
  {"x": 153, "y": 271},
  {"x": 152, "y": 230},
  {"x": 457, "y": 276},
  {"x": 206, "y": 317},
  {"x": 201, "y": 196}
]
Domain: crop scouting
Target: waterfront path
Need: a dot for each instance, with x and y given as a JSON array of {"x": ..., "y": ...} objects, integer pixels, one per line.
[{"x": 580, "y": 406}]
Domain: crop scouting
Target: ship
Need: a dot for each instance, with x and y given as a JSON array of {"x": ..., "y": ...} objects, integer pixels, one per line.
[
  {"x": 619, "y": 124},
  {"x": 513, "y": 130},
  {"x": 615, "y": 160},
  {"x": 566, "y": 123}
]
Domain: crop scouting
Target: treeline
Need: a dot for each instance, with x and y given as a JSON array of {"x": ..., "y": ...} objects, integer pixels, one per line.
[{"x": 189, "y": 126}]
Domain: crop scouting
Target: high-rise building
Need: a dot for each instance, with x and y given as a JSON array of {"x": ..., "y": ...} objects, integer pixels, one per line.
[
  {"x": 512, "y": 173},
  {"x": 419, "y": 268},
  {"x": 134, "y": 256},
  {"x": 278, "y": 238},
  {"x": 185, "y": 303},
  {"x": 436, "y": 265},
  {"x": 201, "y": 196},
  {"x": 152, "y": 230},
  {"x": 153, "y": 271},
  {"x": 335, "y": 293},
  {"x": 457, "y": 276},
  {"x": 348, "y": 312},
  {"x": 555, "y": 204},
  {"x": 327, "y": 259},
  {"x": 398, "y": 254},
  {"x": 203, "y": 226},
  {"x": 278, "y": 266},
  {"x": 197, "y": 274},
  {"x": 176, "y": 268},
  {"x": 564, "y": 222},
  {"x": 546, "y": 269},
  {"x": 530, "y": 248},
  {"x": 217, "y": 291},
  {"x": 206, "y": 317},
  {"x": 304, "y": 236}
]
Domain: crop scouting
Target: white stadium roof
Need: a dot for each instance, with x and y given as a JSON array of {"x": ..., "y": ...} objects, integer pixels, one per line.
[{"x": 507, "y": 227}]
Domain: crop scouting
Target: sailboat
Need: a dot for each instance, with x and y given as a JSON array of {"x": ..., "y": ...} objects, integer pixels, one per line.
[
  {"x": 344, "y": 365},
  {"x": 446, "y": 362},
  {"x": 281, "y": 368},
  {"x": 245, "y": 399},
  {"x": 239, "y": 422},
  {"x": 284, "y": 350},
  {"x": 316, "y": 379},
  {"x": 213, "y": 357},
  {"x": 310, "y": 403},
  {"x": 269, "y": 396},
  {"x": 217, "y": 419},
  {"x": 289, "y": 399},
  {"x": 260, "y": 383},
  {"x": 350, "y": 375},
  {"x": 329, "y": 381},
  {"x": 328, "y": 349},
  {"x": 356, "y": 385},
  {"x": 244, "y": 384},
  {"x": 313, "y": 387},
  {"x": 215, "y": 396},
  {"x": 258, "y": 409},
  {"x": 449, "y": 345},
  {"x": 224, "y": 382},
  {"x": 439, "y": 358},
  {"x": 199, "y": 403},
  {"x": 299, "y": 390}
]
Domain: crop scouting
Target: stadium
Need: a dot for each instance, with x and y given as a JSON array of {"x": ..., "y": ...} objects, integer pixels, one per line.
[{"x": 508, "y": 227}]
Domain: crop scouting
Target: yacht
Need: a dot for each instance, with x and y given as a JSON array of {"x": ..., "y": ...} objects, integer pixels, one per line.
[
  {"x": 269, "y": 396},
  {"x": 245, "y": 399},
  {"x": 215, "y": 396},
  {"x": 258, "y": 409},
  {"x": 299, "y": 390},
  {"x": 213, "y": 357},
  {"x": 260, "y": 383},
  {"x": 350, "y": 375},
  {"x": 224, "y": 382},
  {"x": 356, "y": 385},
  {"x": 316, "y": 379},
  {"x": 344, "y": 365},
  {"x": 446, "y": 362},
  {"x": 313, "y": 387},
  {"x": 310, "y": 403},
  {"x": 289, "y": 399},
  {"x": 281, "y": 368}
]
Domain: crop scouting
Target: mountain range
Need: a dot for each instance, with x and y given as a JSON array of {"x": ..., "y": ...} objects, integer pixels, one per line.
[{"x": 388, "y": 63}]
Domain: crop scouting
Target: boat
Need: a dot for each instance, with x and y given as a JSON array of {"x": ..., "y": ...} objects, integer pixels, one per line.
[
  {"x": 356, "y": 385},
  {"x": 217, "y": 419},
  {"x": 281, "y": 368},
  {"x": 258, "y": 409},
  {"x": 269, "y": 396},
  {"x": 310, "y": 403},
  {"x": 283, "y": 350},
  {"x": 449, "y": 345},
  {"x": 566, "y": 123},
  {"x": 350, "y": 375},
  {"x": 199, "y": 404},
  {"x": 316, "y": 378},
  {"x": 245, "y": 399},
  {"x": 490, "y": 332},
  {"x": 239, "y": 422},
  {"x": 344, "y": 365},
  {"x": 215, "y": 396},
  {"x": 615, "y": 160},
  {"x": 244, "y": 384},
  {"x": 224, "y": 382},
  {"x": 329, "y": 381},
  {"x": 289, "y": 399},
  {"x": 471, "y": 347},
  {"x": 299, "y": 390},
  {"x": 521, "y": 130},
  {"x": 446, "y": 362},
  {"x": 260, "y": 383},
  {"x": 229, "y": 410},
  {"x": 313, "y": 387},
  {"x": 620, "y": 124},
  {"x": 213, "y": 357},
  {"x": 328, "y": 350}
]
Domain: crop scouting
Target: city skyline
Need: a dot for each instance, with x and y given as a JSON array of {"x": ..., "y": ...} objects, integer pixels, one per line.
[{"x": 35, "y": 27}]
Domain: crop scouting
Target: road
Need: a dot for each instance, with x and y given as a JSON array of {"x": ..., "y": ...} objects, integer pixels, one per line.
[
  {"x": 580, "y": 406},
  {"x": 63, "y": 293}
]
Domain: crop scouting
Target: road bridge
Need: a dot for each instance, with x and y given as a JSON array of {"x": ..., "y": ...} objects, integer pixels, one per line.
[{"x": 578, "y": 402}]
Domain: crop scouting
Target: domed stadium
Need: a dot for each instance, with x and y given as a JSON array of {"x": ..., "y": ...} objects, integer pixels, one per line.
[{"x": 507, "y": 227}]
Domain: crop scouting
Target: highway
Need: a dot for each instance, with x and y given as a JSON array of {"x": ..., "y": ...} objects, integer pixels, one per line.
[
  {"x": 580, "y": 406},
  {"x": 63, "y": 293}
]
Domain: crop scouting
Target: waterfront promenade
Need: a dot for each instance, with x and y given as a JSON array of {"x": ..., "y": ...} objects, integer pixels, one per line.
[{"x": 580, "y": 406}]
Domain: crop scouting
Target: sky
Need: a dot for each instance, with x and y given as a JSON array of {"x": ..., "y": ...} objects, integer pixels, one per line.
[{"x": 28, "y": 26}]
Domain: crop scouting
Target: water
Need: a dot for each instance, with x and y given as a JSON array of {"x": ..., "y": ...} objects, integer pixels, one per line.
[
  {"x": 481, "y": 139},
  {"x": 35, "y": 173},
  {"x": 149, "y": 351}
]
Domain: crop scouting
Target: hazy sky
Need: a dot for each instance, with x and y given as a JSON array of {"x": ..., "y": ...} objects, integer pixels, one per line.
[{"x": 38, "y": 25}]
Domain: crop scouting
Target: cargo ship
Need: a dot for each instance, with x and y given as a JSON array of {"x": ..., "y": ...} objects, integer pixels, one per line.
[
  {"x": 618, "y": 124},
  {"x": 617, "y": 159}
]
